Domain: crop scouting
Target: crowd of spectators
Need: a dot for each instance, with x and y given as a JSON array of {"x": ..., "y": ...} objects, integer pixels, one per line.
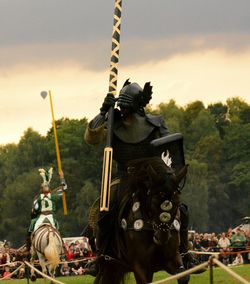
[
  {"x": 228, "y": 244},
  {"x": 77, "y": 253},
  {"x": 232, "y": 247},
  {"x": 8, "y": 262}
]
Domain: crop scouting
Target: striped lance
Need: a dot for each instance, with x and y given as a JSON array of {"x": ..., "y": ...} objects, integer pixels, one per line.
[{"x": 108, "y": 151}]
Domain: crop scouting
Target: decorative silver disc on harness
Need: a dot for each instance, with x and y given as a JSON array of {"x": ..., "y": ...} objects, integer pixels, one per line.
[
  {"x": 136, "y": 206},
  {"x": 165, "y": 217},
  {"x": 124, "y": 224},
  {"x": 166, "y": 205},
  {"x": 176, "y": 225},
  {"x": 138, "y": 224}
]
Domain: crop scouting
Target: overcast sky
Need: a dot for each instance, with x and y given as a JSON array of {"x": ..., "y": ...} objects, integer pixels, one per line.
[{"x": 189, "y": 50}]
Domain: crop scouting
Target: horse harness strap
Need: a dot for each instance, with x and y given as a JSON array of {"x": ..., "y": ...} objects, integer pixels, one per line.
[
  {"x": 138, "y": 223},
  {"x": 106, "y": 257},
  {"x": 49, "y": 230},
  {"x": 46, "y": 212},
  {"x": 40, "y": 236},
  {"x": 175, "y": 224}
]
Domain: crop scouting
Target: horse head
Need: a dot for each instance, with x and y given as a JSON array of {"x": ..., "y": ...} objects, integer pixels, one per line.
[
  {"x": 156, "y": 187},
  {"x": 162, "y": 199},
  {"x": 147, "y": 228}
]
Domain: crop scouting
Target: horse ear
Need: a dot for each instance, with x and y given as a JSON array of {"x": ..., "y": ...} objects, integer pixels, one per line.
[{"x": 181, "y": 174}]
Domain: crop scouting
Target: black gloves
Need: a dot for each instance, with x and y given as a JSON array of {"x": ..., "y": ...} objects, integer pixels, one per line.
[{"x": 109, "y": 101}]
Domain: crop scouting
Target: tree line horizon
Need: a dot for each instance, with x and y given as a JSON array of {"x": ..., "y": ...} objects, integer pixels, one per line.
[{"x": 216, "y": 146}]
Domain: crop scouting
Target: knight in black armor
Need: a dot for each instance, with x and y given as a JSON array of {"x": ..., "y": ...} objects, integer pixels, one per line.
[{"x": 133, "y": 132}]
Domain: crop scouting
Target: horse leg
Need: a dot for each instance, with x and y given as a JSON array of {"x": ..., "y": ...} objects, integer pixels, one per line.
[
  {"x": 142, "y": 275},
  {"x": 43, "y": 264},
  {"x": 176, "y": 266},
  {"x": 32, "y": 271},
  {"x": 109, "y": 271},
  {"x": 52, "y": 270}
]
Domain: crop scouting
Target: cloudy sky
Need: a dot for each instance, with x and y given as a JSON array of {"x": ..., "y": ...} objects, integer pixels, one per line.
[{"x": 189, "y": 50}]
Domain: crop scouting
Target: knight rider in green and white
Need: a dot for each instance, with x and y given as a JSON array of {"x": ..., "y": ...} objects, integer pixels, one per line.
[{"x": 44, "y": 206}]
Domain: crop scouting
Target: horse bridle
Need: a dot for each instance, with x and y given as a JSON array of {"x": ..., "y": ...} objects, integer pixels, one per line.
[{"x": 169, "y": 216}]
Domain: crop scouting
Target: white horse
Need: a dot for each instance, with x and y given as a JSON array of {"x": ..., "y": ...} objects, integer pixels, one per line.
[{"x": 48, "y": 245}]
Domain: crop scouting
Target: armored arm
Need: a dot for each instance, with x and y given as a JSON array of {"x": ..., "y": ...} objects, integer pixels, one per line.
[{"x": 96, "y": 130}]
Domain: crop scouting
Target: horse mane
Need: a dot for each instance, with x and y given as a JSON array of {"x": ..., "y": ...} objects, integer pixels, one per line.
[{"x": 147, "y": 172}]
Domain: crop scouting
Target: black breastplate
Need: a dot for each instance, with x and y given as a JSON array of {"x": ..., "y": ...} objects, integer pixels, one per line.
[{"x": 125, "y": 152}]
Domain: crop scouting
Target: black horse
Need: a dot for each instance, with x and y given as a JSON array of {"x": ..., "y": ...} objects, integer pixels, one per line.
[{"x": 146, "y": 221}]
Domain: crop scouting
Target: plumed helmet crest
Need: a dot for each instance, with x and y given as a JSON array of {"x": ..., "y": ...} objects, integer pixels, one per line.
[
  {"x": 133, "y": 96},
  {"x": 146, "y": 95},
  {"x": 46, "y": 175}
]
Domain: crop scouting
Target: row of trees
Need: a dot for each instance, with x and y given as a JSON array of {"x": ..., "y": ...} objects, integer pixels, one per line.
[{"x": 217, "y": 148}]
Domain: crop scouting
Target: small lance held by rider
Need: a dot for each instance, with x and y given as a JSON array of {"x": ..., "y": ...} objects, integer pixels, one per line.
[{"x": 59, "y": 163}]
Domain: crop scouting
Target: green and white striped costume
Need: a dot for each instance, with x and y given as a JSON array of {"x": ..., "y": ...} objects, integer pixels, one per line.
[{"x": 45, "y": 208}]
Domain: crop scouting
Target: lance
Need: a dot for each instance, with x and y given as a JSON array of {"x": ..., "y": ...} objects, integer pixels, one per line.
[
  {"x": 108, "y": 151},
  {"x": 59, "y": 164}
]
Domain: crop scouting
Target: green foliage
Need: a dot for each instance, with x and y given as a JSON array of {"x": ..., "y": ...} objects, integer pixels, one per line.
[
  {"x": 199, "y": 128},
  {"x": 16, "y": 205},
  {"x": 219, "y": 112},
  {"x": 236, "y": 106},
  {"x": 192, "y": 111},
  {"x": 205, "y": 151},
  {"x": 195, "y": 193},
  {"x": 85, "y": 199},
  {"x": 173, "y": 115}
]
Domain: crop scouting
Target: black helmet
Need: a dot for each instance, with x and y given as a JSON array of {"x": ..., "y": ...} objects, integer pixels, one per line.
[{"x": 134, "y": 97}]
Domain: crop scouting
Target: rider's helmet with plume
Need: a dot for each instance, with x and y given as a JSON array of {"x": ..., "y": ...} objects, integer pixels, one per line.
[{"x": 46, "y": 176}]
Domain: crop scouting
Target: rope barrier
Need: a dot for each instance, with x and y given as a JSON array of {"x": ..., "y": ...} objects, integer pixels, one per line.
[
  {"x": 212, "y": 259},
  {"x": 234, "y": 252},
  {"x": 219, "y": 252},
  {"x": 43, "y": 275},
  {"x": 13, "y": 272},
  {"x": 9, "y": 263},
  {"x": 231, "y": 272},
  {"x": 77, "y": 260},
  {"x": 182, "y": 274},
  {"x": 204, "y": 252}
]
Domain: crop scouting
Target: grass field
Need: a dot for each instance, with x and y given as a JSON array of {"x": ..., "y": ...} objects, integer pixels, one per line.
[{"x": 220, "y": 277}]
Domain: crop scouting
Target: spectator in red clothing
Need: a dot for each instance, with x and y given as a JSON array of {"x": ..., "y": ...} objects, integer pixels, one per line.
[
  {"x": 70, "y": 253},
  {"x": 6, "y": 274}
]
